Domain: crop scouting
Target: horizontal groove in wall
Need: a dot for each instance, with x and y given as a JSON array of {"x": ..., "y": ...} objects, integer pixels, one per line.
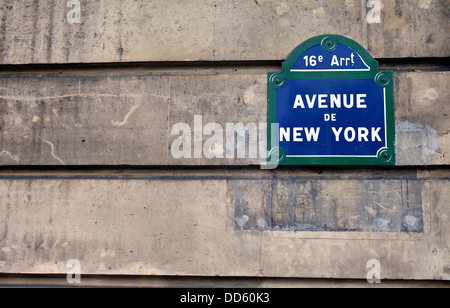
[
  {"x": 59, "y": 281},
  {"x": 222, "y": 173},
  {"x": 399, "y": 64}
]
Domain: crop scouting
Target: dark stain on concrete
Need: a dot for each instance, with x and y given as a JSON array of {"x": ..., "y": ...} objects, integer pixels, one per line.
[{"x": 295, "y": 204}]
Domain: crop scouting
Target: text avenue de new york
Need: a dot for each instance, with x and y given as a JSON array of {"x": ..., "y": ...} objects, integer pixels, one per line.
[{"x": 330, "y": 102}]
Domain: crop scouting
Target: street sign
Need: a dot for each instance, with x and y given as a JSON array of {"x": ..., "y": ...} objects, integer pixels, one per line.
[{"x": 331, "y": 105}]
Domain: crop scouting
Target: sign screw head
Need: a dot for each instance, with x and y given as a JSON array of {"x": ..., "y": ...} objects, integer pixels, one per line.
[
  {"x": 277, "y": 80},
  {"x": 329, "y": 43},
  {"x": 386, "y": 155},
  {"x": 383, "y": 80}
]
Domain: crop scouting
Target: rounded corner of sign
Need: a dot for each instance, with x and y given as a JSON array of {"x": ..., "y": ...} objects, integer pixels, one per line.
[{"x": 299, "y": 50}]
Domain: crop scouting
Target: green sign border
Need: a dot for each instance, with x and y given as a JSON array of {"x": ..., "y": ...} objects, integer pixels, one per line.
[{"x": 384, "y": 79}]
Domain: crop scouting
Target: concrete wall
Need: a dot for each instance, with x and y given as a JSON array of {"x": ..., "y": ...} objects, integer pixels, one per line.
[{"x": 87, "y": 107}]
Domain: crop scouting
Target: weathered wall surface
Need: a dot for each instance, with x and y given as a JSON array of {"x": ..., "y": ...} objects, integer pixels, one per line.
[
  {"x": 140, "y": 226},
  {"x": 127, "y": 118},
  {"x": 86, "y": 152},
  {"x": 213, "y": 30}
]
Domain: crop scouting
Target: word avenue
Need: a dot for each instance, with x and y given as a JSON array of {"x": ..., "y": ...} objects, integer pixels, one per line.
[{"x": 325, "y": 101}]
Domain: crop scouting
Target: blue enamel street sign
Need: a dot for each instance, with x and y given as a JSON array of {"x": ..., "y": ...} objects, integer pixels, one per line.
[{"x": 331, "y": 106}]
